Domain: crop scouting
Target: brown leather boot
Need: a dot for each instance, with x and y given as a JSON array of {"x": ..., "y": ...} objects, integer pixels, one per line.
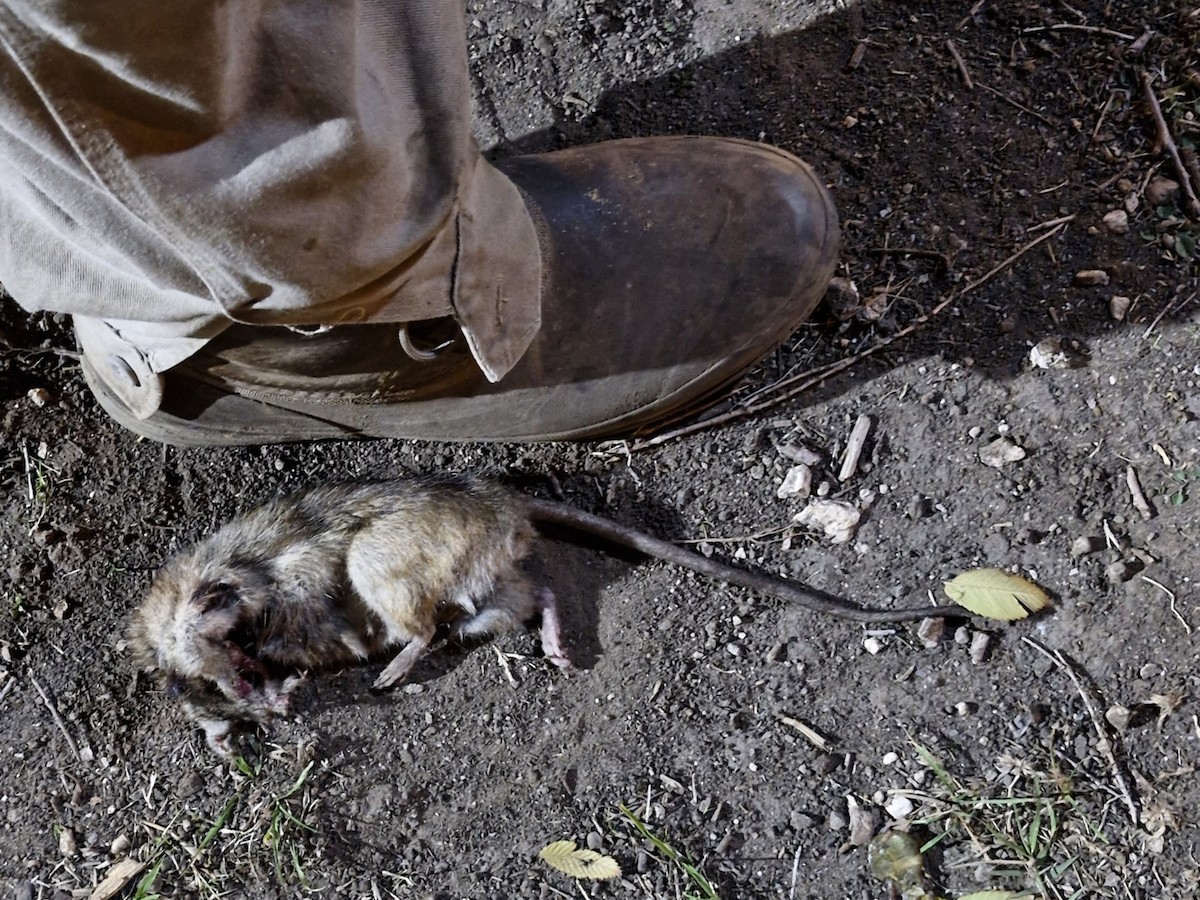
[{"x": 670, "y": 266}]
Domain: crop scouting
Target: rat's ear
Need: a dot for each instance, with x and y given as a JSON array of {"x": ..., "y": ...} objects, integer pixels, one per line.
[{"x": 213, "y": 596}]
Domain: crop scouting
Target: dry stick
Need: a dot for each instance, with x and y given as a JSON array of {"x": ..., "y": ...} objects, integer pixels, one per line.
[
  {"x": 1135, "y": 491},
  {"x": 8, "y": 686},
  {"x": 854, "y": 447},
  {"x": 816, "y": 376},
  {"x": 972, "y": 14},
  {"x": 856, "y": 57},
  {"x": 1090, "y": 29},
  {"x": 1062, "y": 223},
  {"x": 1020, "y": 106},
  {"x": 1188, "y": 155},
  {"x": 962, "y": 66},
  {"x": 912, "y": 251},
  {"x": 1166, "y": 142},
  {"x": 1103, "y": 112},
  {"x": 1107, "y": 744},
  {"x": 1171, "y": 597},
  {"x": 58, "y": 720},
  {"x": 1167, "y": 310}
]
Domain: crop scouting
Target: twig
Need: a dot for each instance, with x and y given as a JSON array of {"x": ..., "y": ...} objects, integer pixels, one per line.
[
  {"x": 961, "y": 63},
  {"x": 856, "y": 56},
  {"x": 505, "y": 668},
  {"x": 1109, "y": 537},
  {"x": 1135, "y": 491},
  {"x": 1062, "y": 223},
  {"x": 8, "y": 686},
  {"x": 1167, "y": 310},
  {"x": 1166, "y": 142},
  {"x": 1103, "y": 112},
  {"x": 1061, "y": 220},
  {"x": 1188, "y": 155},
  {"x": 1171, "y": 596},
  {"x": 972, "y": 14},
  {"x": 1020, "y": 106},
  {"x": 1109, "y": 742},
  {"x": 58, "y": 719},
  {"x": 854, "y": 447},
  {"x": 1090, "y": 29},
  {"x": 813, "y": 736},
  {"x": 937, "y": 255},
  {"x": 816, "y": 376}
]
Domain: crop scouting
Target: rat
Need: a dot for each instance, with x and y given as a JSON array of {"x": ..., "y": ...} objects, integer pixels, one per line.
[{"x": 335, "y": 575}]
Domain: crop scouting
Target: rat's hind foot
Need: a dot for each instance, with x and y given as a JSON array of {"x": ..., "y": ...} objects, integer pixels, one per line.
[{"x": 397, "y": 670}]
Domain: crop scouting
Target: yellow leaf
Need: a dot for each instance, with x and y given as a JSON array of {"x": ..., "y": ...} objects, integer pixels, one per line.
[
  {"x": 996, "y": 594},
  {"x": 564, "y": 856}
]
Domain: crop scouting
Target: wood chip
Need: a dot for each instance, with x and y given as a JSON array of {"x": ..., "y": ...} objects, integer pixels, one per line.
[
  {"x": 1135, "y": 490},
  {"x": 1091, "y": 278},
  {"x": 815, "y": 738},
  {"x": 119, "y": 875},
  {"x": 854, "y": 447}
]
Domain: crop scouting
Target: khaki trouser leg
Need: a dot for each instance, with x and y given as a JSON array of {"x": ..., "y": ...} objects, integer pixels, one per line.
[{"x": 168, "y": 170}]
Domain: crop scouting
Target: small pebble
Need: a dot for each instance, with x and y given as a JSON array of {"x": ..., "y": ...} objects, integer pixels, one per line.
[
  {"x": 890, "y": 758},
  {"x": 964, "y": 708},
  {"x": 39, "y": 397},
  {"x": 931, "y": 631},
  {"x": 1121, "y": 571},
  {"x": 66, "y": 843},
  {"x": 595, "y": 841},
  {"x": 120, "y": 845},
  {"x": 1118, "y": 306},
  {"x": 414, "y": 689},
  {"x": 837, "y": 820},
  {"x": 1091, "y": 278},
  {"x": 1000, "y": 452},
  {"x": 873, "y": 645},
  {"x": 1161, "y": 190},
  {"x": 899, "y": 807},
  {"x": 796, "y": 483},
  {"x": 802, "y": 821},
  {"x": 980, "y": 647},
  {"x": 1086, "y": 544},
  {"x": 1117, "y": 221},
  {"x": 189, "y": 785},
  {"x": 799, "y": 454},
  {"x": 1118, "y": 718},
  {"x": 962, "y": 635}
]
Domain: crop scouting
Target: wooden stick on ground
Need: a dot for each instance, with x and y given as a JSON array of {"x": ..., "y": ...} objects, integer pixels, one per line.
[
  {"x": 58, "y": 719},
  {"x": 1166, "y": 142},
  {"x": 1109, "y": 742},
  {"x": 961, "y": 63},
  {"x": 854, "y": 447}
]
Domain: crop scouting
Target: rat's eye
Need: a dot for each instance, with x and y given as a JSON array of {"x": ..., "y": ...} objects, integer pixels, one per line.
[
  {"x": 217, "y": 596},
  {"x": 175, "y": 685}
]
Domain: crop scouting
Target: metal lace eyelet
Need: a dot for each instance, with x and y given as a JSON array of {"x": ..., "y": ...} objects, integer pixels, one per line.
[{"x": 420, "y": 354}]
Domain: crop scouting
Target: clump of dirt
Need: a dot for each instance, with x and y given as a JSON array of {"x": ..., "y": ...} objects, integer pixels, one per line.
[{"x": 983, "y": 155}]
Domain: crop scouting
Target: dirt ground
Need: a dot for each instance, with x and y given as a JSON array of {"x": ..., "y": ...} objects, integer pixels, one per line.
[{"x": 974, "y": 205}]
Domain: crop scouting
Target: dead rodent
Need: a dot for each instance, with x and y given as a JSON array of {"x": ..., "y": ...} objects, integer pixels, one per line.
[{"x": 334, "y": 575}]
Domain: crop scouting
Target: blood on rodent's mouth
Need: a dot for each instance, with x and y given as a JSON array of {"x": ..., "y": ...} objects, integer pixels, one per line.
[{"x": 251, "y": 673}]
